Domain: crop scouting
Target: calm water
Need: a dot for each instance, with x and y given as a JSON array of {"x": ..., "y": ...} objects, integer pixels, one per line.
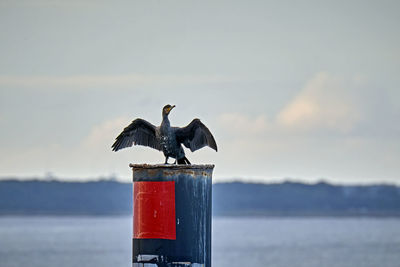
[{"x": 105, "y": 241}]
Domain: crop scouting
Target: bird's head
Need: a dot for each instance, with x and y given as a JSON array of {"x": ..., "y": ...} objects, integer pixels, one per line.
[{"x": 167, "y": 109}]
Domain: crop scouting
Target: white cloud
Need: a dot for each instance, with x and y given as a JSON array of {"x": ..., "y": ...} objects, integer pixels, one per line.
[
  {"x": 260, "y": 145},
  {"x": 326, "y": 102},
  {"x": 105, "y": 133},
  {"x": 90, "y": 158},
  {"x": 244, "y": 125}
]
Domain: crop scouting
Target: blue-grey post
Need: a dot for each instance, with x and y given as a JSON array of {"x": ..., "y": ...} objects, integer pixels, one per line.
[{"x": 171, "y": 215}]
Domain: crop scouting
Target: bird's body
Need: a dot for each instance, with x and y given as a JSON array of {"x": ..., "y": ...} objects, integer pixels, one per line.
[
  {"x": 165, "y": 138},
  {"x": 170, "y": 147}
]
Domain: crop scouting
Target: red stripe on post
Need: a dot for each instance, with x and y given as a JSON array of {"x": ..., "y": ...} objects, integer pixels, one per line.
[{"x": 154, "y": 210}]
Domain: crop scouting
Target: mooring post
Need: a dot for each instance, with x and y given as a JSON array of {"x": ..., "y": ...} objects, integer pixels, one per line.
[{"x": 171, "y": 215}]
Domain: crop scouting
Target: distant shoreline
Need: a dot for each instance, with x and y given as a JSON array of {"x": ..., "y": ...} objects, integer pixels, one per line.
[{"x": 234, "y": 199}]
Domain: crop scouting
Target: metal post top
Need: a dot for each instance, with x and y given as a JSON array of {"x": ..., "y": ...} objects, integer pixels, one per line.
[{"x": 172, "y": 166}]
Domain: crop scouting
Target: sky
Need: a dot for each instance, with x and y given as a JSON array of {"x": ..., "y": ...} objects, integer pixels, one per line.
[{"x": 298, "y": 90}]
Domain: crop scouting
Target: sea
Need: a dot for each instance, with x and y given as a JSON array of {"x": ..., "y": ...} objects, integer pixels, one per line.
[{"x": 96, "y": 241}]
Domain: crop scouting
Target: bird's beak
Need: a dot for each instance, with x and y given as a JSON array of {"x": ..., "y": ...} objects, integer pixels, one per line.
[{"x": 168, "y": 110}]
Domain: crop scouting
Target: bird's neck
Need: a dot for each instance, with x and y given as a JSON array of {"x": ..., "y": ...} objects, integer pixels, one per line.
[{"x": 165, "y": 121}]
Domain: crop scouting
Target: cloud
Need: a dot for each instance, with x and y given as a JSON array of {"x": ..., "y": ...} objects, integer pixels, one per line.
[
  {"x": 303, "y": 139},
  {"x": 104, "y": 133},
  {"x": 90, "y": 158},
  {"x": 326, "y": 102},
  {"x": 244, "y": 125}
]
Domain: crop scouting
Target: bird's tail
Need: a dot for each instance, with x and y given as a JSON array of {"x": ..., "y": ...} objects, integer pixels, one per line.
[{"x": 184, "y": 161}]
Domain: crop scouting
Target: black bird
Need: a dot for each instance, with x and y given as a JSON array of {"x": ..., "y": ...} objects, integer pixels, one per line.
[{"x": 166, "y": 138}]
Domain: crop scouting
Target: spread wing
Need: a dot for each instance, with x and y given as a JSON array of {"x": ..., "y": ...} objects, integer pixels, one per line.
[
  {"x": 139, "y": 132},
  {"x": 195, "y": 136}
]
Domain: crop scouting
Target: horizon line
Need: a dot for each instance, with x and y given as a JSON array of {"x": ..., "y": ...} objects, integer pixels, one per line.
[{"x": 116, "y": 179}]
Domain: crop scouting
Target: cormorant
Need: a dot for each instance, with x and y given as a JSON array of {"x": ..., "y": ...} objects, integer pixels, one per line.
[{"x": 166, "y": 138}]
